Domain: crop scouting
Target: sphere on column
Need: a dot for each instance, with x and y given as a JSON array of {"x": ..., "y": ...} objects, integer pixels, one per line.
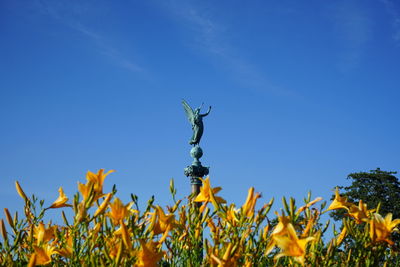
[{"x": 196, "y": 152}]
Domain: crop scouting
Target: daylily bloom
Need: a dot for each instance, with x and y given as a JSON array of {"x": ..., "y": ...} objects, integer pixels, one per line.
[
  {"x": 118, "y": 211},
  {"x": 380, "y": 228},
  {"x": 103, "y": 205},
  {"x": 21, "y": 192},
  {"x": 9, "y": 218},
  {"x": 339, "y": 202},
  {"x": 291, "y": 245},
  {"x": 113, "y": 244},
  {"x": 309, "y": 204},
  {"x": 310, "y": 224},
  {"x": 162, "y": 223},
  {"x": 60, "y": 201},
  {"x": 97, "y": 179},
  {"x": 67, "y": 250},
  {"x": 84, "y": 189},
  {"x": 3, "y": 230},
  {"x": 280, "y": 229},
  {"x": 360, "y": 213},
  {"x": 206, "y": 192},
  {"x": 43, "y": 234},
  {"x": 282, "y": 226},
  {"x": 148, "y": 255},
  {"x": 231, "y": 215},
  {"x": 229, "y": 259},
  {"x": 341, "y": 236},
  {"x": 125, "y": 234},
  {"x": 93, "y": 233},
  {"x": 249, "y": 205},
  {"x": 42, "y": 255}
]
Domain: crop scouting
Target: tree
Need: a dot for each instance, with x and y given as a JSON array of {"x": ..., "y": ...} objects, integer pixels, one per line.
[{"x": 373, "y": 187}]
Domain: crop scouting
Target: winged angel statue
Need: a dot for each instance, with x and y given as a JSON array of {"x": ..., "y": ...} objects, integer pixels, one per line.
[{"x": 196, "y": 119}]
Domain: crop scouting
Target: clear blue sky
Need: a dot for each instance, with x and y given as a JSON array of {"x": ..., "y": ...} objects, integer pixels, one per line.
[{"x": 303, "y": 93}]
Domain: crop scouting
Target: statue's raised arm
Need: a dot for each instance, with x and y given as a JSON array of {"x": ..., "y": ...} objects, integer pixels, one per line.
[
  {"x": 196, "y": 120},
  {"x": 208, "y": 111}
]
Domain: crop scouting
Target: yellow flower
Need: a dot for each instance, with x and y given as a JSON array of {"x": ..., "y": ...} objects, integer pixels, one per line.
[
  {"x": 84, "y": 189},
  {"x": 103, "y": 205},
  {"x": 60, "y": 201},
  {"x": 97, "y": 179},
  {"x": 125, "y": 234},
  {"x": 148, "y": 255},
  {"x": 43, "y": 234},
  {"x": 162, "y": 223},
  {"x": 279, "y": 230},
  {"x": 42, "y": 255},
  {"x": 231, "y": 215},
  {"x": 339, "y": 202},
  {"x": 21, "y": 192},
  {"x": 93, "y": 189},
  {"x": 249, "y": 205},
  {"x": 229, "y": 259},
  {"x": 118, "y": 211},
  {"x": 341, "y": 236},
  {"x": 206, "y": 192},
  {"x": 291, "y": 245},
  {"x": 113, "y": 246},
  {"x": 360, "y": 213},
  {"x": 67, "y": 249},
  {"x": 308, "y": 205},
  {"x": 380, "y": 228},
  {"x": 3, "y": 230},
  {"x": 282, "y": 226}
]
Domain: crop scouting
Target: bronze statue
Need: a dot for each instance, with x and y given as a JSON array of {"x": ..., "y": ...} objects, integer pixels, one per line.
[{"x": 196, "y": 119}]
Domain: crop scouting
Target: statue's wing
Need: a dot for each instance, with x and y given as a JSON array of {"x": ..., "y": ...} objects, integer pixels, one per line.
[{"x": 188, "y": 110}]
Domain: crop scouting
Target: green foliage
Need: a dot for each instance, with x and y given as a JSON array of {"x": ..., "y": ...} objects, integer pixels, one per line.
[{"x": 374, "y": 188}]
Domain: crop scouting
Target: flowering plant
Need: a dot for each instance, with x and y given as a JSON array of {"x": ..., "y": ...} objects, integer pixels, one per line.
[{"x": 200, "y": 230}]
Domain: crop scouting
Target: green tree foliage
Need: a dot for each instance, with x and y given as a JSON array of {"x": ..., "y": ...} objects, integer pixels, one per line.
[{"x": 373, "y": 188}]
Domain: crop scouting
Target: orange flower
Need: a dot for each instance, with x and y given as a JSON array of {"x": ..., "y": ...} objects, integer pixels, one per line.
[
  {"x": 339, "y": 202},
  {"x": 43, "y": 234},
  {"x": 84, "y": 189},
  {"x": 162, "y": 223},
  {"x": 249, "y": 205},
  {"x": 231, "y": 215},
  {"x": 360, "y": 213},
  {"x": 282, "y": 226},
  {"x": 279, "y": 230},
  {"x": 21, "y": 192},
  {"x": 103, "y": 205},
  {"x": 67, "y": 249},
  {"x": 60, "y": 201},
  {"x": 97, "y": 179},
  {"x": 113, "y": 246},
  {"x": 229, "y": 259},
  {"x": 42, "y": 255},
  {"x": 309, "y": 204},
  {"x": 380, "y": 228},
  {"x": 118, "y": 211},
  {"x": 341, "y": 236},
  {"x": 148, "y": 255},
  {"x": 291, "y": 245},
  {"x": 125, "y": 234},
  {"x": 206, "y": 192}
]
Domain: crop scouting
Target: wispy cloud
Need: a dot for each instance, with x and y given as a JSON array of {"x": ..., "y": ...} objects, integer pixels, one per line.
[
  {"x": 70, "y": 13},
  {"x": 211, "y": 36},
  {"x": 352, "y": 25},
  {"x": 395, "y": 14}
]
